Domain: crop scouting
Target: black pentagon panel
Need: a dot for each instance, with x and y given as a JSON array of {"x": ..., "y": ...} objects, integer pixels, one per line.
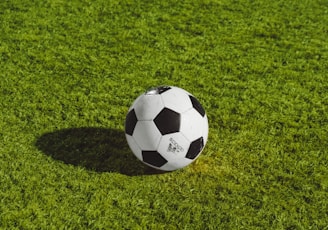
[
  {"x": 153, "y": 158},
  {"x": 130, "y": 122},
  {"x": 197, "y": 105},
  {"x": 158, "y": 90},
  {"x": 168, "y": 121},
  {"x": 195, "y": 148}
]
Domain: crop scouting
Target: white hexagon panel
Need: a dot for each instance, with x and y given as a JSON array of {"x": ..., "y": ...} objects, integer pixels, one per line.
[
  {"x": 173, "y": 146},
  {"x": 148, "y": 106},
  {"x": 205, "y": 129},
  {"x": 146, "y": 135},
  {"x": 134, "y": 146},
  {"x": 176, "y": 99},
  {"x": 177, "y": 164},
  {"x": 192, "y": 124}
]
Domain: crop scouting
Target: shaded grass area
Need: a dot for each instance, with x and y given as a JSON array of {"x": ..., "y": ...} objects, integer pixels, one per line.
[
  {"x": 70, "y": 70},
  {"x": 96, "y": 149}
]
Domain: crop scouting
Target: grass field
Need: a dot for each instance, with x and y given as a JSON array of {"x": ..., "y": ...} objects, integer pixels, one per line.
[{"x": 69, "y": 70}]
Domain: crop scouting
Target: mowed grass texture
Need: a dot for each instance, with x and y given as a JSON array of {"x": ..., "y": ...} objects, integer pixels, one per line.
[{"x": 69, "y": 70}]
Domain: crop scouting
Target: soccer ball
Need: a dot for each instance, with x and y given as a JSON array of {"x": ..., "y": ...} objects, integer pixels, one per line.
[{"x": 166, "y": 128}]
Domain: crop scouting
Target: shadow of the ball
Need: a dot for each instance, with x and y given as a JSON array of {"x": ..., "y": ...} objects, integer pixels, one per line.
[{"x": 96, "y": 149}]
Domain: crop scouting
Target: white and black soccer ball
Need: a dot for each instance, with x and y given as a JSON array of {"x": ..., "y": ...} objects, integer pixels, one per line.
[{"x": 166, "y": 128}]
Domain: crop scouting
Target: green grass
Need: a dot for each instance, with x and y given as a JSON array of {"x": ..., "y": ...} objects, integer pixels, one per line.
[{"x": 69, "y": 70}]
